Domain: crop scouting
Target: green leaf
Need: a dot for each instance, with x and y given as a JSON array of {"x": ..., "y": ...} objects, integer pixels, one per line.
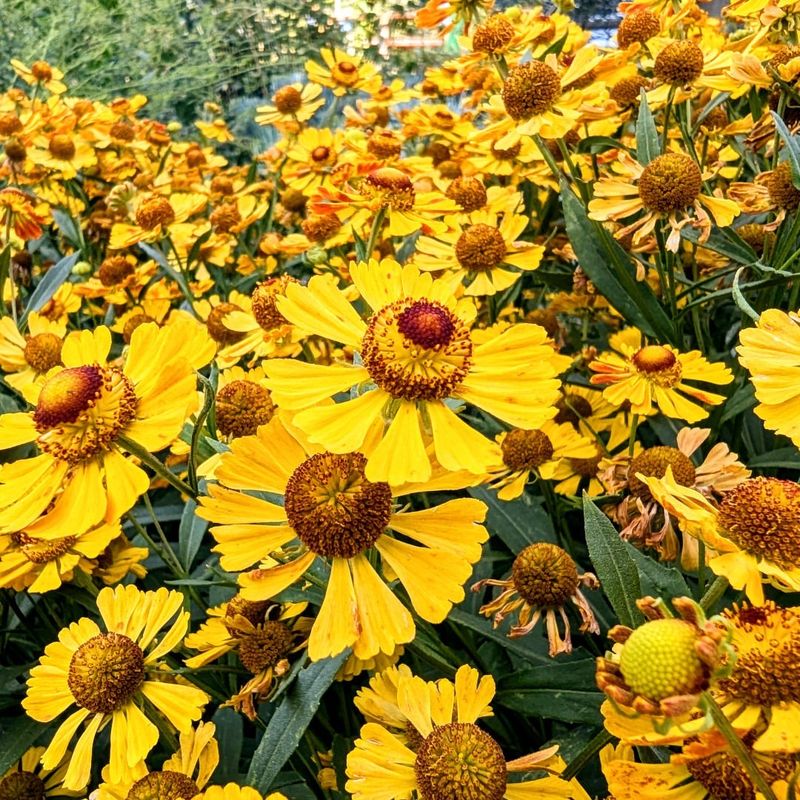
[
  {"x": 647, "y": 145},
  {"x": 290, "y": 720},
  {"x": 70, "y": 229},
  {"x": 517, "y": 523},
  {"x": 609, "y": 268},
  {"x": 5, "y": 266},
  {"x": 616, "y": 570},
  {"x": 724, "y": 241},
  {"x": 230, "y": 735},
  {"x": 17, "y": 734},
  {"x": 523, "y": 647},
  {"x": 743, "y": 399},
  {"x": 48, "y": 285},
  {"x": 190, "y": 534},
  {"x": 792, "y": 148},
  {"x": 782, "y": 458},
  {"x": 665, "y": 581},
  {"x": 599, "y": 144},
  {"x": 555, "y": 691}
]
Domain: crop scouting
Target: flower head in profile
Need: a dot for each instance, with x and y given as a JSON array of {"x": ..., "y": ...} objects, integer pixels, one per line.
[
  {"x": 656, "y": 375},
  {"x": 418, "y": 361},
  {"x": 336, "y": 522},
  {"x": 28, "y": 778},
  {"x": 444, "y": 752},
  {"x": 106, "y": 674},
  {"x": 41, "y": 73},
  {"x": 544, "y": 579},
  {"x": 21, "y": 215},
  {"x": 670, "y": 187}
]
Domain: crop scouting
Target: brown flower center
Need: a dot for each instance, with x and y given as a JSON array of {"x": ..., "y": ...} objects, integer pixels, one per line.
[
  {"x": 384, "y": 143},
  {"x": 669, "y": 183},
  {"x": 318, "y": 227},
  {"x": 287, "y": 100},
  {"x": 493, "y": 35},
  {"x": 154, "y": 211},
  {"x": 658, "y": 364},
  {"x": 266, "y": 646},
  {"x": 215, "y": 323},
  {"x": 335, "y": 511},
  {"x": 653, "y": 463},
  {"x": 627, "y": 91},
  {"x": 163, "y": 785},
  {"x": 42, "y": 551},
  {"x": 391, "y": 186},
  {"x": 62, "y": 146},
  {"x": 572, "y": 408},
  {"x": 530, "y": 89},
  {"x": 242, "y": 407},
  {"x": 22, "y": 785},
  {"x": 225, "y": 217},
  {"x": 638, "y": 26},
  {"x": 264, "y": 296},
  {"x": 480, "y": 248},
  {"x": 782, "y": 191},
  {"x": 469, "y": 193},
  {"x": 114, "y": 270},
  {"x": 41, "y": 70},
  {"x": 132, "y": 323},
  {"x": 345, "y": 72},
  {"x": 545, "y": 575},
  {"x": 43, "y": 351},
  {"x": 526, "y": 449},
  {"x": 679, "y": 63},
  {"x": 105, "y": 672}
]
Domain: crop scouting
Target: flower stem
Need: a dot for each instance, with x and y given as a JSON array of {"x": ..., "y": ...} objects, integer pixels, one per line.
[
  {"x": 160, "y": 469},
  {"x": 593, "y": 747},
  {"x": 715, "y": 591},
  {"x": 737, "y": 746}
]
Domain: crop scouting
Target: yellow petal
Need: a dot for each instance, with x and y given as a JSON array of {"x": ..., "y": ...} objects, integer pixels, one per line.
[{"x": 337, "y": 625}]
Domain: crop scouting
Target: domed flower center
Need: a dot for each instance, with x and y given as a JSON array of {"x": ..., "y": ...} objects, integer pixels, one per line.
[
  {"x": 115, "y": 270},
  {"x": 195, "y": 157},
  {"x": 417, "y": 350},
  {"x": 22, "y": 785},
  {"x": 480, "y": 248},
  {"x": 225, "y": 217},
  {"x": 782, "y": 191},
  {"x": 335, "y": 511},
  {"x": 215, "y": 323},
  {"x": 469, "y": 193},
  {"x": 105, "y": 672},
  {"x": 254, "y": 612},
  {"x": 726, "y": 779},
  {"x": 586, "y": 467},
  {"x": 318, "y": 227},
  {"x": 82, "y": 409},
  {"x": 15, "y": 150},
  {"x": 62, "y": 146},
  {"x": 530, "y": 89},
  {"x": 154, "y": 211},
  {"x": 41, "y": 70},
  {"x": 43, "y": 351},
  {"x": 384, "y": 144},
  {"x": 266, "y": 647},
  {"x": 659, "y": 660},
  {"x": 506, "y": 153},
  {"x": 163, "y": 785},
  {"x": 762, "y": 516},
  {"x": 443, "y": 119},
  {"x": 459, "y": 761},
  {"x": 545, "y": 575},
  {"x": 572, "y": 408},
  {"x": 221, "y": 184},
  {"x": 293, "y": 200},
  {"x": 658, "y": 364},
  {"x": 526, "y": 449},
  {"x": 493, "y": 35},
  {"x": 320, "y": 154},
  {"x": 265, "y": 309},
  {"x": 10, "y": 123},
  {"x": 767, "y": 643},
  {"x": 638, "y": 26},
  {"x": 627, "y": 91},
  {"x": 391, "y": 186},
  {"x": 42, "y": 551},
  {"x": 345, "y": 72},
  {"x": 242, "y": 407},
  {"x": 670, "y": 183},
  {"x": 287, "y": 100},
  {"x": 123, "y": 131},
  {"x": 653, "y": 463},
  {"x": 679, "y": 63},
  {"x": 132, "y": 323}
]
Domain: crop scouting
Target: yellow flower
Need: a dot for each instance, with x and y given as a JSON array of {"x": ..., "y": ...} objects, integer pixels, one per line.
[
  {"x": 42, "y": 73},
  {"x": 294, "y": 101},
  {"x": 771, "y": 352},
  {"x": 343, "y": 73},
  {"x": 669, "y": 187},
  {"x": 341, "y": 519},
  {"x": 66, "y": 152},
  {"x": 108, "y": 674},
  {"x": 232, "y": 791},
  {"x": 656, "y": 375},
  {"x": 153, "y": 215},
  {"x": 216, "y": 130},
  {"x": 447, "y": 755},
  {"x": 481, "y": 251},
  {"x": 27, "y": 778},
  {"x": 418, "y": 351},
  {"x": 80, "y": 476}
]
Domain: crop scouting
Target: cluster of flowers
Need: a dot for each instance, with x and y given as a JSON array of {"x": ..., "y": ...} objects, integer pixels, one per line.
[{"x": 331, "y": 353}]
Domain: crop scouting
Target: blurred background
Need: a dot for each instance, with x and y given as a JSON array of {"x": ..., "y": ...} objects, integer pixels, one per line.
[{"x": 182, "y": 53}]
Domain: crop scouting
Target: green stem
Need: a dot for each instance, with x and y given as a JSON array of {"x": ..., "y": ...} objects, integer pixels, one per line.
[
  {"x": 592, "y": 748},
  {"x": 632, "y": 436},
  {"x": 714, "y": 593},
  {"x": 738, "y": 747},
  {"x": 160, "y": 469},
  {"x": 377, "y": 224}
]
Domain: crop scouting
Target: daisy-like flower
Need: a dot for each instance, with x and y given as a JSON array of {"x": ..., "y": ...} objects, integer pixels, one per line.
[
  {"x": 181, "y": 777},
  {"x": 153, "y": 215},
  {"x": 42, "y": 565},
  {"x": 243, "y": 402},
  {"x": 27, "y": 358},
  {"x": 705, "y": 769},
  {"x": 771, "y": 352},
  {"x": 447, "y": 754},
  {"x": 662, "y": 667},
  {"x": 81, "y": 476},
  {"x": 544, "y": 578},
  {"x": 120, "y": 559},
  {"x": 232, "y": 791},
  {"x": 762, "y": 693},
  {"x": 656, "y": 375},
  {"x": 262, "y": 634},
  {"x": 65, "y": 151},
  {"x": 311, "y": 158},
  {"x": 417, "y": 350},
  {"x": 118, "y": 278},
  {"x": 669, "y": 188},
  {"x": 753, "y": 529},
  {"x": 42, "y": 73},
  {"x": 19, "y": 215},
  {"x": 216, "y": 130},
  {"x": 108, "y": 674},
  {"x": 342, "y": 520},
  {"x": 482, "y": 252},
  {"x": 294, "y": 102},
  {"x": 27, "y": 778},
  {"x": 538, "y": 452},
  {"x": 343, "y": 73},
  {"x": 434, "y": 12}
]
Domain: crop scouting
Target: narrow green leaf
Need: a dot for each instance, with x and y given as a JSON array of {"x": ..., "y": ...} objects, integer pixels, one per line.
[
  {"x": 792, "y": 148},
  {"x": 647, "y": 144},
  {"x": 70, "y": 229},
  {"x": 741, "y": 400},
  {"x": 190, "y": 534},
  {"x": 665, "y": 581},
  {"x": 782, "y": 458},
  {"x": 5, "y": 266},
  {"x": 48, "y": 285},
  {"x": 230, "y": 735},
  {"x": 619, "y": 578},
  {"x": 290, "y": 720},
  {"x": 17, "y": 734},
  {"x": 523, "y": 647}
]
